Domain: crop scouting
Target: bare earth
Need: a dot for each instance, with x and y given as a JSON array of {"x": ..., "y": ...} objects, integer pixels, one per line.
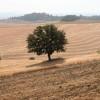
[
  {"x": 68, "y": 82},
  {"x": 73, "y": 76}
]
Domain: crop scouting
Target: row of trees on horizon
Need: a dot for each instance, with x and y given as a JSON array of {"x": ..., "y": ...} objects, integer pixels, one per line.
[{"x": 34, "y": 17}]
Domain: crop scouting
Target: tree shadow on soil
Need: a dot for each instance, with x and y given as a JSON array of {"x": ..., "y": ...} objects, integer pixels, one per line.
[{"x": 53, "y": 62}]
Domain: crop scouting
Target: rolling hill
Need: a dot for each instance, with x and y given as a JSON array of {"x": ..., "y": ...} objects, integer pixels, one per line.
[
  {"x": 83, "y": 39},
  {"x": 36, "y": 17},
  {"x": 75, "y": 75},
  {"x": 44, "y": 17}
]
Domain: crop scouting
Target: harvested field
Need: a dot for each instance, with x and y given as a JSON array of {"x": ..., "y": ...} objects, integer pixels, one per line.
[
  {"x": 72, "y": 75},
  {"x": 83, "y": 39}
]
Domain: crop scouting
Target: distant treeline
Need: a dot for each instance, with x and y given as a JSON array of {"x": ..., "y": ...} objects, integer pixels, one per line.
[
  {"x": 70, "y": 18},
  {"x": 43, "y": 17},
  {"x": 37, "y": 17},
  {"x": 74, "y": 18}
]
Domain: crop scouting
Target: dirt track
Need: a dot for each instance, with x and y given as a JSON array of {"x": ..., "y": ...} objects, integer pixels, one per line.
[
  {"x": 69, "y": 82},
  {"x": 9, "y": 67}
]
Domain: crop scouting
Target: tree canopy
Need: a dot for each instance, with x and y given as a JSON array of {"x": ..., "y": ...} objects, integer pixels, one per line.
[{"x": 46, "y": 40}]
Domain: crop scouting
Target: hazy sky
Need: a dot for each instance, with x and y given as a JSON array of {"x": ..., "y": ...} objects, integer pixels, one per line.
[{"x": 57, "y": 7}]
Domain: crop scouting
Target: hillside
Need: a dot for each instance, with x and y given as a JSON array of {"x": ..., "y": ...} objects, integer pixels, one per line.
[
  {"x": 70, "y": 82},
  {"x": 82, "y": 19},
  {"x": 83, "y": 39},
  {"x": 36, "y": 17},
  {"x": 44, "y": 17},
  {"x": 75, "y": 75}
]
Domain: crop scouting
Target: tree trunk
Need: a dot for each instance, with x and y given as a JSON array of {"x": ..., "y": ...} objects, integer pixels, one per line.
[{"x": 49, "y": 57}]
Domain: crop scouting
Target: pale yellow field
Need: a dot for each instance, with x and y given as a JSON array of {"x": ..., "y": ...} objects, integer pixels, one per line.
[
  {"x": 84, "y": 39},
  {"x": 75, "y": 75}
]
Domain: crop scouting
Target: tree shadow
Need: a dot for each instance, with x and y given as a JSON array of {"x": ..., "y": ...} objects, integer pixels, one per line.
[{"x": 48, "y": 63}]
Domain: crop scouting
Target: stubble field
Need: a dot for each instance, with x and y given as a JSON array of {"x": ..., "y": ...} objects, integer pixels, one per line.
[{"x": 73, "y": 76}]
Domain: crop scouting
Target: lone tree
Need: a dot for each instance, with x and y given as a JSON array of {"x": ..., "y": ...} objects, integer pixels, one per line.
[{"x": 46, "y": 40}]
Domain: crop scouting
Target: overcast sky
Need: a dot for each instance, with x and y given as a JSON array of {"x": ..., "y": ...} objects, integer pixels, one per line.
[{"x": 56, "y": 7}]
